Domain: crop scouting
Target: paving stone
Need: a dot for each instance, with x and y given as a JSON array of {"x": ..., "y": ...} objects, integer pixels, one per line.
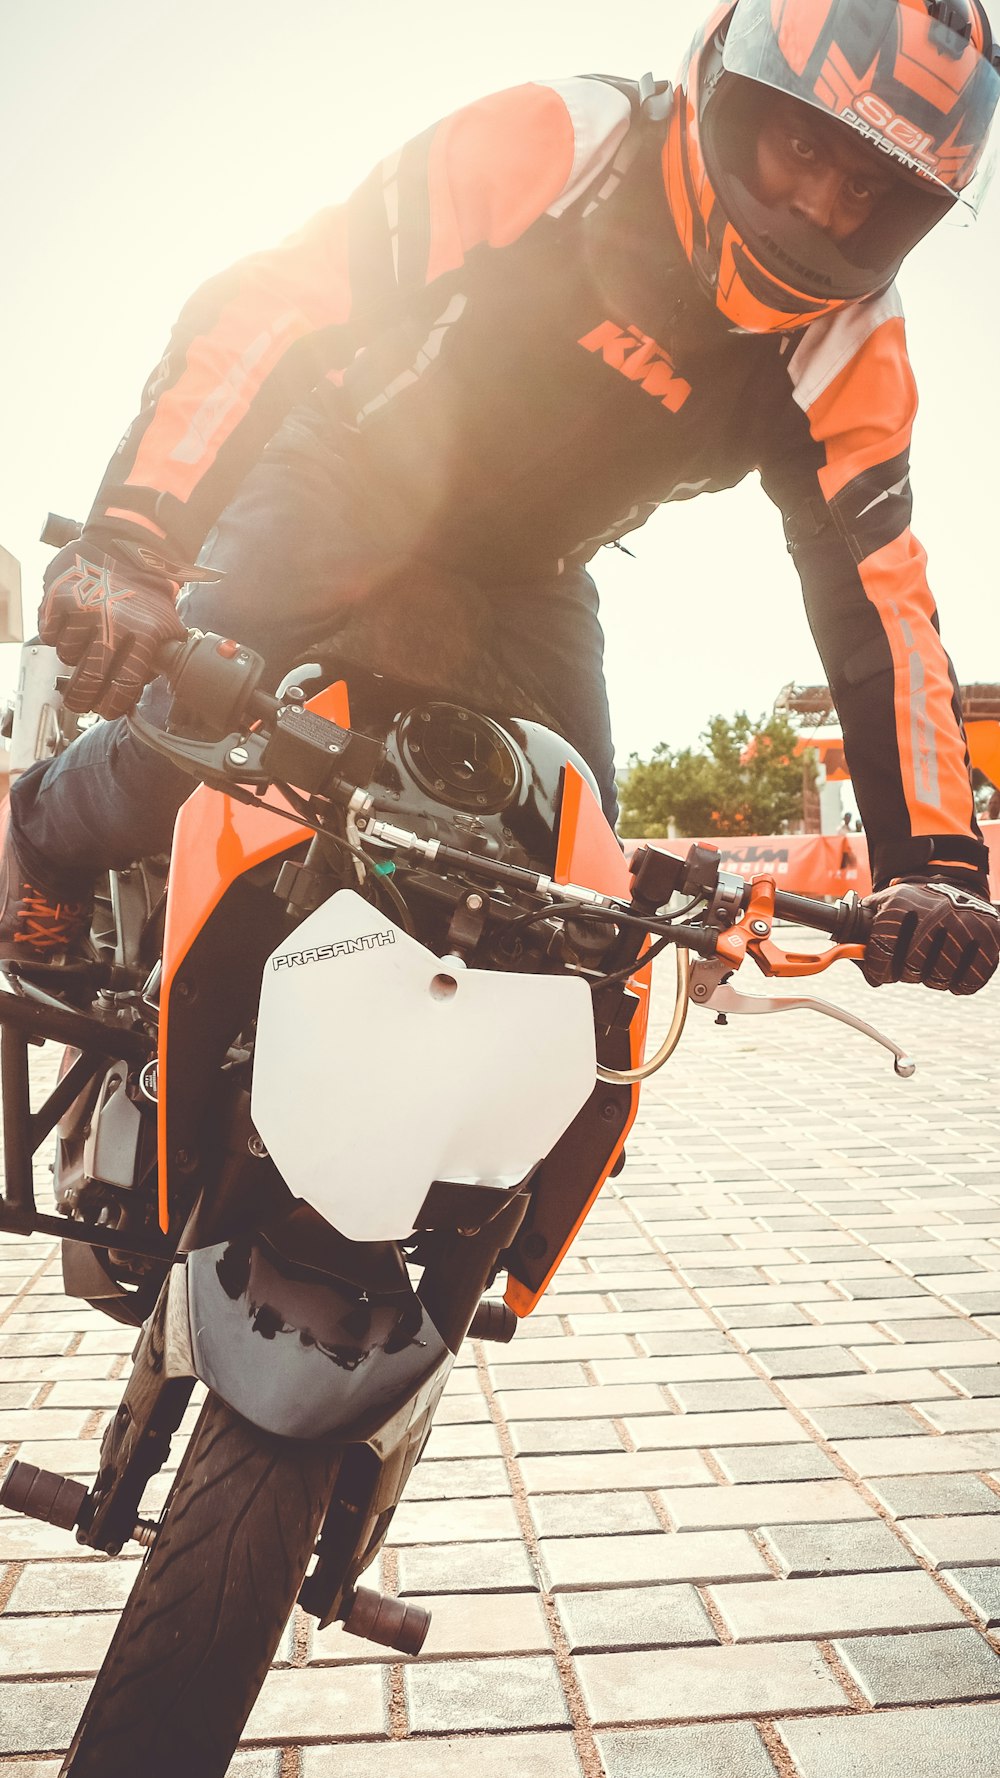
[
  {"x": 943, "y": 1542},
  {"x": 921, "y": 1743},
  {"x": 550, "y": 1755},
  {"x": 775, "y": 1463},
  {"x": 40, "y": 1717},
  {"x": 699, "y": 1277},
  {"x": 23, "y": 1540},
  {"x": 538, "y": 1376},
  {"x": 836, "y": 1605},
  {"x": 41, "y": 1370},
  {"x": 809, "y": 1361},
  {"x": 877, "y": 1421},
  {"x": 634, "y": 1617},
  {"x": 526, "y": 1350},
  {"x": 955, "y": 1330},
  {"x": 804, "y": 1550},
  {"x": 611, "y": 1402},
  {"x": 933, "y": 1265},
  {"x": 673, "y": 1431},
  {"x": 455, "y": 1410},
  {"x": 51, "y": 1646},
  {"x": 461, "y": 1624},
  {"x": 715, "y": 1750},
  {"x": 684, "y": 1345},
  {"x": 870, "y": 1289},
  {"x": 927, "y": 1310},
  {"x": 930, "y": 1354},
  {"x": 759, "y": 1340},
  {"x": 715, "y": 1367},
  {"x": 765, "y": 1315},
  {"x": 920, "y": 1456},
  {"x": 747, "y": 1295},
  {"x": 979, "y": 1415},
  {"x": 974, "y": 1380},
  {"x": 460, "y": 1479},
  {"x": 625, "y": 1469},
  {"x": 697, "y": 1398},
  {"x": 846, "y": 1392},
  {"x": 521, "y": 1693},
  {"x": 695, "y": 1684},
  {"x": 931, "y": 1496},
  {"x": 593, "y": 1515},
  {"x": 978, "y": 1303},
  {"x": 447, "y": 1442},
  {"x": 980, "y": 1587},
  {"x": 569, "y": 1563},
  {"x": 922, "y": 1667},
  {"x": 538, "y": 1437},
  {"x": 309, "y": 1702},
  {"x": 466, "y": 1568},
  {"x": 74, "y": 1586},
  {"x": 17, "y": 1395},
  {"x": 764, "y": 1503},
  {"x": 448, "y": 1521},
  {"x": 636, "y": 1321}
]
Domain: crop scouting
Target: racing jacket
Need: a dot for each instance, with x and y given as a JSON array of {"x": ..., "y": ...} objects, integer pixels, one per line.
[{"x": 503, "y": 336}]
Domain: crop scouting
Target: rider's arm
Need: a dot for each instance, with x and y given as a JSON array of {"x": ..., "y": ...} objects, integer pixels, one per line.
[
  {"x": 839, "y": 470},
  {"x": 255, "y": 340}
]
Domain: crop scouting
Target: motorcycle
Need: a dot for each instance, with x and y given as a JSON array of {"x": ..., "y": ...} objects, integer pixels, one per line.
[{"x": 374, "y": 1038}]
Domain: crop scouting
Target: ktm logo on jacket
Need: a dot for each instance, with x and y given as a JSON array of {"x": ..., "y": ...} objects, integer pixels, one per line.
[{"x": 641, "y": 360}]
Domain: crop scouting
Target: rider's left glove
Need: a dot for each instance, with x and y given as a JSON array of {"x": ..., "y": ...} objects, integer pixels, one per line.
[
  {"x": 932, "y": 932},
  {"x": 108, "y": 618}
]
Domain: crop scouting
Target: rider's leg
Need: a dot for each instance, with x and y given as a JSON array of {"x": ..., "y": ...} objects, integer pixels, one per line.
[{"x": 549, "y": 638}]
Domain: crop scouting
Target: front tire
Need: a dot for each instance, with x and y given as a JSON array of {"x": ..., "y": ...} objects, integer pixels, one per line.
[{"x": 205, "y": 1616}]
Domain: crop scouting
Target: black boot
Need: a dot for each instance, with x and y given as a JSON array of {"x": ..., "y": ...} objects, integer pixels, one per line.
[{"x": 41, "y": 926}]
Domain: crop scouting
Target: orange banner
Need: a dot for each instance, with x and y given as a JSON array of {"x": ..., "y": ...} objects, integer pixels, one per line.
[
  {"x": 809, "y": 863},
  {"x": 804, "y": 863}
]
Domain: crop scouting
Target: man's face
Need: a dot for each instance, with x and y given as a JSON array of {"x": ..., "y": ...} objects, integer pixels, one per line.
[{"x": 807, "y": 164}]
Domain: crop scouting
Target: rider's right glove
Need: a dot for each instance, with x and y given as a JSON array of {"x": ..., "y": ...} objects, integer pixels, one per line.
[
  {"x": 108, "y": 618},
  {"x": 932, "y": 932}
]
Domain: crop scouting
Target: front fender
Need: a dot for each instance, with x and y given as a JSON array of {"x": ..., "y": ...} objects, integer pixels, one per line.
[{"x": 302, "y": 1353}]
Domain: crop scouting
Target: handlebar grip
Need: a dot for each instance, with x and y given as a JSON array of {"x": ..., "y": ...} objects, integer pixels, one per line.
[
  {"x": 849, "y": 922},
  {"x": 168, "y": 657}
]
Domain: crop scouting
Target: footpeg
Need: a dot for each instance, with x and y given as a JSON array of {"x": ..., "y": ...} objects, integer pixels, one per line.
[
  {"x": 391, "y": 1622},
  {"x": 40, "y": 1494},
  {"x": 493, "y": 1320}
]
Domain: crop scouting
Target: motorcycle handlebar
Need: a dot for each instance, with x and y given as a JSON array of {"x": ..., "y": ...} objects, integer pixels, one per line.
[{"x": 217, "y": 679}]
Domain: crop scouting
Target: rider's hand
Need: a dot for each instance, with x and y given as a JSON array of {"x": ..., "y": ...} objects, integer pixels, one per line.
[
  {"x": 108, "y": 619},
  {"x": 932, "y": 932}
]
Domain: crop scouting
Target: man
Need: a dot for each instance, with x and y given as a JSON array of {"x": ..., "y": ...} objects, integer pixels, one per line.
[{"x": 546, "y": 316}]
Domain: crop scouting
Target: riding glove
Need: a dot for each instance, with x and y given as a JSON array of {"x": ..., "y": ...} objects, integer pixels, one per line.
[
  {"x": 108, "y": 618},
  {"x": 930, "y": 931}
]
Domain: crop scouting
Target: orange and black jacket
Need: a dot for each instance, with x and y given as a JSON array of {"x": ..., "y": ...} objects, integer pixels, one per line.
[{"x": 502, "y": 335}]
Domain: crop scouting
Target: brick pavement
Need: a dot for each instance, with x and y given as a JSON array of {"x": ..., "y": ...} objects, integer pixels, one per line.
[{"x": 729, "y": 1506}]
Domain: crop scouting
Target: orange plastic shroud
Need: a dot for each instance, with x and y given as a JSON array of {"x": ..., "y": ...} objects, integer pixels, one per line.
[
  {"x": 589, "y": 854},
  {"x": 216, "y": 840}
]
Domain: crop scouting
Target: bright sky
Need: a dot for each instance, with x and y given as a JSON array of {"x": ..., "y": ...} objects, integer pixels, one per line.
[{"x": 146, "y": 147}]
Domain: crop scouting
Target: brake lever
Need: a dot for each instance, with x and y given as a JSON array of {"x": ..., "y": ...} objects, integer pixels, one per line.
[{"x": 709, "y": 988}]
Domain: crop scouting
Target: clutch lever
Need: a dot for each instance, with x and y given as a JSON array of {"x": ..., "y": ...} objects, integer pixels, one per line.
[{"x": 709, "y": 987}]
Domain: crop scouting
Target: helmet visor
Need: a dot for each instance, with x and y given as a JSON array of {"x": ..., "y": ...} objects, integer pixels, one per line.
[{"x": 921, "y": 90}]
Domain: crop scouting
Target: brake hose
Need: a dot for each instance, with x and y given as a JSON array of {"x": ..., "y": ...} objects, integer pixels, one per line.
[{"x": 627, "y": 1077}]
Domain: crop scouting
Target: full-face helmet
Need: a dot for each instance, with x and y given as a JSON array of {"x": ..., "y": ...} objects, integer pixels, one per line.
[{"x": 915, "y": 81}]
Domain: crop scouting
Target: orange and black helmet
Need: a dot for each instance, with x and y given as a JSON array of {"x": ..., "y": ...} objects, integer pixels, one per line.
[{"x": 917, "y": 80}]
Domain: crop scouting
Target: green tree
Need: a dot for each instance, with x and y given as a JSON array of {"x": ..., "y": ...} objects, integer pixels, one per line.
[{"x": 746, "y": 779}]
